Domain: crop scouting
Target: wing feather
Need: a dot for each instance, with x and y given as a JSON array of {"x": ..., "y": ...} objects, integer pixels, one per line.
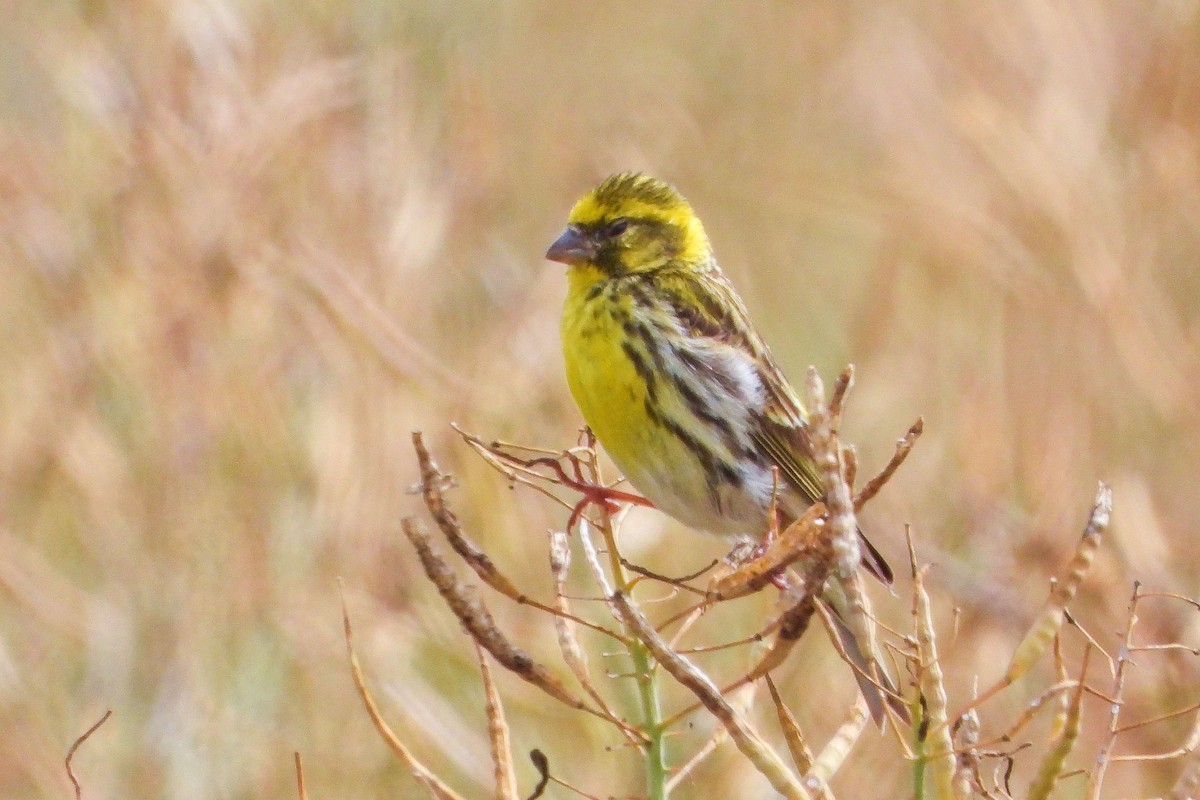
[
  {"x": 708, "y": 307},
  {"x": 706, "y": 304}
]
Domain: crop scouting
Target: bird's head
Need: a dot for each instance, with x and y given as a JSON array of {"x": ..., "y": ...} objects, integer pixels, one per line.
[{"x": 631, "y": 223}]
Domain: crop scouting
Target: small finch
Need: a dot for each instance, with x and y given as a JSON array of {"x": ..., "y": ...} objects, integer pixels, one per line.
[{"x": 671, "y": 376}]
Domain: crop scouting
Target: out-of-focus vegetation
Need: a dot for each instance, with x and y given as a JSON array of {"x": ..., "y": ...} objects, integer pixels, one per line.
[{"x": 246, "y": 248}]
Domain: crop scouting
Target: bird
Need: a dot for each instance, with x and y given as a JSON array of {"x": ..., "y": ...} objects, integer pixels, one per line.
[{"x": 672, "y": 377}]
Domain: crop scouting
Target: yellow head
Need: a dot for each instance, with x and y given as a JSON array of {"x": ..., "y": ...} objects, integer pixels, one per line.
[{"x": 631, "y": 223}]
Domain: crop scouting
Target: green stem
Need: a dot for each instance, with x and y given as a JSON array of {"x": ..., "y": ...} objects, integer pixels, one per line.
[
  {"x": 644, "y": 675},
  {"x": 919, "y": 751},
  {"x": 656, "y": 752}
]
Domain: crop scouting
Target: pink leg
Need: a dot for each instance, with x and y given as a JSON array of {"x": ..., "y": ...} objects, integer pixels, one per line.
[{"x": 610, "y": 499}]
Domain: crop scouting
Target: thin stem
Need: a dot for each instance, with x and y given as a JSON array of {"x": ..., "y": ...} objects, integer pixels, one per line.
[
  {"x": 919, "y": 757},
  {"x": 1096, "y": 779},
  {"x": 643, "y": 667}
]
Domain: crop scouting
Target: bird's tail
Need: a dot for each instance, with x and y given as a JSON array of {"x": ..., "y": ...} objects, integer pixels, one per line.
[{"x": 874, "y": 682}]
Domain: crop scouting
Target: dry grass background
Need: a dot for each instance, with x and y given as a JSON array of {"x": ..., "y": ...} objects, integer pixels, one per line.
[{"x": 246, "y": 247}]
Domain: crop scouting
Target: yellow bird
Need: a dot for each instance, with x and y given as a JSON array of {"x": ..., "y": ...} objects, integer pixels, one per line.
[{"x": 670, "y": 374}]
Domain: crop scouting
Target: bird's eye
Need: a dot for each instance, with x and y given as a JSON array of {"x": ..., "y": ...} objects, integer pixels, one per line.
[{"x": 618, "y": 226}]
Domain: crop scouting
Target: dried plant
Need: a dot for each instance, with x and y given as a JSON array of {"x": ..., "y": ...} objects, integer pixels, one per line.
[
  {"x": 247, "y": 247},
  {"x": 952, "y": 756}
]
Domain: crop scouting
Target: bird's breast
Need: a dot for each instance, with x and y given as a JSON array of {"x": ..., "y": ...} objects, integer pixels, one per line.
[
  {"x": 604, "y": 382},
  {"x": 674, "y": 417}
]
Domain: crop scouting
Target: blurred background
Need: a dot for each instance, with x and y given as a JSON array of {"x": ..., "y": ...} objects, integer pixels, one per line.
[{"x": 246, "y": 248}]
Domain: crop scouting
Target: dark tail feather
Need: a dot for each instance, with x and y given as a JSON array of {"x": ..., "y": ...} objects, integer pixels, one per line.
[
  {"x": 865, "y": 666},
  {"x": 874, "y": 561}
]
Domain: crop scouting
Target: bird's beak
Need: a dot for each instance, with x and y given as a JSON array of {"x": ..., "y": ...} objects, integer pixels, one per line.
[{"x": 572, "y": 248}]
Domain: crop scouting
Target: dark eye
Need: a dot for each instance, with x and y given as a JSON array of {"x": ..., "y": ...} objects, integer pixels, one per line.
[{"x": 618, "y": 226}]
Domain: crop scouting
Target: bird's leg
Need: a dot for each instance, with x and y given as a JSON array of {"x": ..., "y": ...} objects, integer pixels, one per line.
[
  {"x": 576, "y": 480},
  {"x": 746, "y": 552},
  {"x": 606, "y": 496},
  {"x": 773, "y": 520}
]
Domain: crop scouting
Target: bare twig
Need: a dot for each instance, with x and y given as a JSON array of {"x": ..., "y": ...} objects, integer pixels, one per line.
[
  {"x": 718, "y": 737},
  {"x": 837, "y": 400},
  {"x": 522, "y": 475},
  {"x": 765, "y": 760},
  {"x": 850, "y": 467},
  {"x": 503, "y": 769},
  {"x": 1150, "y": 648},
  {"x": 1190, "y": 745},
  {"x": 805, "y": 540},
  {"x": 478, "y": 621},
  {"x": 75, "y": 746},
  {"x": 845, "y": 590},
  {"x": 573, "y": 654},
  {"x": 894, "y": 702},
  {"x": 1051, "y": 767},
  {"x": 799, "y": 602},
  {"x": 1050, "y": 619},
  {"x": 301, "y": 790},
  {"x": 431, "y": 782},
  {"x": 904, "y": 446},
  {"x": 1195, "y": 604},
  {"x": 678, "y": 583},
  {"x": 843, "y": 527},
  {"x": 1179, "y": 712},
  {"x": 1103, "y": 757},
  {"x": 432, "y": 481},
  {"x": 1109, "y": 661},
  {"x": 592, "y": 492},
  {"x": 1031, "y": 709}
]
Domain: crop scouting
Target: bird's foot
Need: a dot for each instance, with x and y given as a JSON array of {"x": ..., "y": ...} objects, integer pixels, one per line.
[
  {"x": 570, "y": 469},
  {"x": 747, "y": 551},
  {"x": 606, "y": 497}
]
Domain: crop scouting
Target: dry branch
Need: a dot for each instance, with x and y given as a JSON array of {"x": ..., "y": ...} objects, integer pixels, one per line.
[
  {"x": 75, "y": 746},
  {"x": 816, "y": 562},
  {"x": 431, "y": 782},
  {"x": 904, "y": 446},
  {"x": 301, "y": 789},
  {"x": 765, "y": 760},
  {"x": 479, "y": 623},
  {"x": 503, "y": 770},
  {"x": 1041, "y": 634},
  {"x": 431, "y": 487},
  {"x": 933, "y": 692},
  {"x": 573, "y": 654},
  {"x": 1052, "y": 765},
  {"x": 843, "y": 526}
]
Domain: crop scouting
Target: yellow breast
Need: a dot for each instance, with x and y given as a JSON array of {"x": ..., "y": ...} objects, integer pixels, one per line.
[
  {"x": 611, "y": 394},
  {"x": 603, "y": 381}
]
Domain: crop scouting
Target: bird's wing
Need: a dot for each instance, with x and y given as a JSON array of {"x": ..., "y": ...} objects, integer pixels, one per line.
[
  {"x": 788, "y": 446},
  {"x": 707, "y": 306}
]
